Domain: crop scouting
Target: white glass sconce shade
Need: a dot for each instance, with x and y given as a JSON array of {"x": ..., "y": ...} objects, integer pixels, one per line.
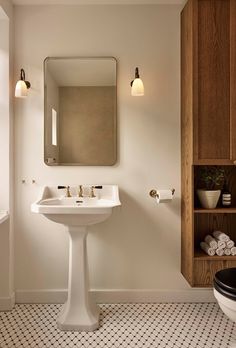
[
  {"x": 137, "y": 87},
  {"x": 21, "y": 90},
  {"x": 22, "y": 86}
]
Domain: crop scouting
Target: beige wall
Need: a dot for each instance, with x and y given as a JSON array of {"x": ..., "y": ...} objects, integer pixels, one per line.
[
  {"x": 139, "y": 246},
  {"x": 87, "y": 130},
  {"x": 4, "y": 113},
  {"x": 6, "y": 154}
]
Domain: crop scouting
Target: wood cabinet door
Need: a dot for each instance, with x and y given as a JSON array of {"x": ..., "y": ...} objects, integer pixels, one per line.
[
  {"x": 233, "y": 76},
  {"x": 212, "y": 108}
]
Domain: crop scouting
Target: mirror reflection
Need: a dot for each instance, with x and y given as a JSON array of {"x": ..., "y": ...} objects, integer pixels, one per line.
[{"x": 80, "y": 111}]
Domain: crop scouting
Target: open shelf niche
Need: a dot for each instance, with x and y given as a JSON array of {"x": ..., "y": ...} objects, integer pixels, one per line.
[
  {"x": 206, "y": 221},
  {"x": 230, "y": 180}
]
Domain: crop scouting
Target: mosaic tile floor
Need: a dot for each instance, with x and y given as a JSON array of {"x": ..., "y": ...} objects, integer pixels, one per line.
[{"x": 122, "y": 326}]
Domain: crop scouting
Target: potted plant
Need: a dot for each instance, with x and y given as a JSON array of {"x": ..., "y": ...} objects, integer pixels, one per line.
[{"x": 211, "y": 183}]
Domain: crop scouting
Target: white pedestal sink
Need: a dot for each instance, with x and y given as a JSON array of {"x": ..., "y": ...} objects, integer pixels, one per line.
[{"x": 79, "y": 313}]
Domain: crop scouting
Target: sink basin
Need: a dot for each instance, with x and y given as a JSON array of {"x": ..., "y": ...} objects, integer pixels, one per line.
[
  {"x": 79, "y": 313},
  {"x": 76, "y": 211}
]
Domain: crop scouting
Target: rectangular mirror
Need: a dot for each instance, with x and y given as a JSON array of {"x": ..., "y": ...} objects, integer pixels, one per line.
[{"x": 80, "y": 111}]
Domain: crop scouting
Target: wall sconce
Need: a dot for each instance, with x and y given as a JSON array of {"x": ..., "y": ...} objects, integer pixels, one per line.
[
  {"x": 137, "y": 88},
  {"x": 22, "y": 86}
]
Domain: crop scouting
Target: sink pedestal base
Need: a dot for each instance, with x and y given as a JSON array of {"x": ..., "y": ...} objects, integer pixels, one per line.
[{"x": 79, "y": 313}]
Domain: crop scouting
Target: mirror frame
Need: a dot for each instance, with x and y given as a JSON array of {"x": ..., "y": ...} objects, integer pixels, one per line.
[{"x": 45, "y": 112}]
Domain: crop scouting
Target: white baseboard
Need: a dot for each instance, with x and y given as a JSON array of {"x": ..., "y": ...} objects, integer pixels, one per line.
[
  {"x": 7, "y": 303},
  {"x": 41, "y": 296},
  {"x": 119, "y": 296}
]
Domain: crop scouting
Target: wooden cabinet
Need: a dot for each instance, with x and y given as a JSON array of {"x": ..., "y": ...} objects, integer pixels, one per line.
[
  {"x": 208, "y": 124},
  {"x": 212, "y": 116},
  {"x": 210, "y": 27}
]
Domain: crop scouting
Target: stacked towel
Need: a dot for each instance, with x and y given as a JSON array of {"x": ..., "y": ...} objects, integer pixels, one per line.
[
  {"x": 219, "y": 244},
  {"x": 208, "y": 250},
  {"x": 220, "y": 252},
  {"x": 211, "y": 241},
  {"x": 221, "y": 236},
  {"x": 230, "y": 244},
  {"x": 227, "y": 252},
  {"x": 233, "y": 251}
]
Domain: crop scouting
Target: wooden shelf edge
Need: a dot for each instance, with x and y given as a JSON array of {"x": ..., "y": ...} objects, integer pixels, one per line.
[
  {"x": 213, "y": 162},
  {"x": 231, "y": 210},
  {"x": 200, "y": 255}
]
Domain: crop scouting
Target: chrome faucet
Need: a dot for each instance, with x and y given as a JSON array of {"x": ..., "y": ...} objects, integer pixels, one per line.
[{"x": 68, "y": 194}]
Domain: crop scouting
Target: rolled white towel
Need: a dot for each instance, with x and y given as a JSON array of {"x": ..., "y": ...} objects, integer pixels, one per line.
[
  {"x": 208, "y": 250},
  {"x": 230, "y": 244},
  {"x": 221, "y": 245},
  {"x": 227, "y": 251},
  {"x": 211, "y": 241},
  {"x": 233, "y": 251},
  {"x": 221, "y": 236},
  {"x": 220, "y": 252}
]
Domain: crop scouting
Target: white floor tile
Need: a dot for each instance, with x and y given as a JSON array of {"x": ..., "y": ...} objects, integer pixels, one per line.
[{"x": 122, "y": 326}]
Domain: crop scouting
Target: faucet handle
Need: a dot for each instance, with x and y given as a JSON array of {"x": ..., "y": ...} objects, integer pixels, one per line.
[
  {"x": 68, "y": 194},
  {"x": 92, "y": 194}
]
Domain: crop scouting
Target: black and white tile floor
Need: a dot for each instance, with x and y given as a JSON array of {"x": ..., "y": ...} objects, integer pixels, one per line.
[{"x": 122, "y": 326}]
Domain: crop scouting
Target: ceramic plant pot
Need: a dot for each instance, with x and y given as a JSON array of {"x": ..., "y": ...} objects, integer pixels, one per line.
[{"x": 208, "y": 199}]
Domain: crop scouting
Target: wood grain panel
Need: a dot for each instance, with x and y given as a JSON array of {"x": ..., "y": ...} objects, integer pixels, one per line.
[
  {"x": 233, "y": 76},
  {"x": 213, "y": 79},
  {"x": 187, "y": 142},
  {"x": 204, "y": 271}
]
